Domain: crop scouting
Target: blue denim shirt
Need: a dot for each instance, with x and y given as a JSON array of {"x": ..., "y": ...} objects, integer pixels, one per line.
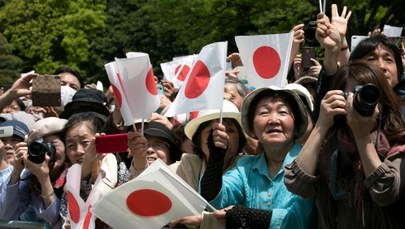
[
  {"x": 4, "y": 174},
  {"x": 249, "y": 184},
  {"x": 16, "y": 198}
]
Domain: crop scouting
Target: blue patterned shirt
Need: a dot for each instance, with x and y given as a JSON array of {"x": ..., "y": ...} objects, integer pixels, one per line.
[{"x": 249, "y": 184}]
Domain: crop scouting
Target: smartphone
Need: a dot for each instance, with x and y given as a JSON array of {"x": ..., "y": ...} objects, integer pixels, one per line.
[
  {"x": 46, "y": 90},
  {"x": 355, "y": 40},
  {"x": 112, "y": 143},
  {"x": 307, "y": 54}
]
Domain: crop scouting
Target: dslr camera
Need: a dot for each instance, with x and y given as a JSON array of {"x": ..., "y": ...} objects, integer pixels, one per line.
[
  {"x": 365, "y": 99},
  {"x": 309, "y": 33},
  {"x": 38, "y": 149}
]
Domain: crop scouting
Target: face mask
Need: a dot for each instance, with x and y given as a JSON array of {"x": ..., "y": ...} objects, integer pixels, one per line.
[{"x": 66, "y": 95}]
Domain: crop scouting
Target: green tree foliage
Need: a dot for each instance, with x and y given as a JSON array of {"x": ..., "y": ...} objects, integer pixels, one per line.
[
  {"x": 89, "y": 34},
  {"x": 51, "y": 33},
  {"x": 126, "y": 30},
  {"x": 9, "y": 63},
  {"x": 371, "y": 14}
]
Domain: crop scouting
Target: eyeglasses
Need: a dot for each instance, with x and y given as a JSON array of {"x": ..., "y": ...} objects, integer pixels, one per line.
[{"x": 158, "y": 146}]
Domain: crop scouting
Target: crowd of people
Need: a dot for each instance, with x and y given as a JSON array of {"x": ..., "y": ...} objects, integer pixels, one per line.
[{"x": 323, "y": 151}]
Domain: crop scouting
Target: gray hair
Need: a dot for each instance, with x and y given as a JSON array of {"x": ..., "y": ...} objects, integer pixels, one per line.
[{"x": 242, "y": 89}]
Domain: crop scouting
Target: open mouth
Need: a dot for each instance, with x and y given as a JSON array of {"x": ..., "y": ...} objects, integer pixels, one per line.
[
  {"x": 79, "y": 160},
  {"x": 271, "y": 131},
  {"x": 151, "y": 159}
]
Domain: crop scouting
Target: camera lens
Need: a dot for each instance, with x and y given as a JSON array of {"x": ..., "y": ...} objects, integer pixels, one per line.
[
  {"x": 38, "y": 150},
  {"x": 365, "y": 99}
]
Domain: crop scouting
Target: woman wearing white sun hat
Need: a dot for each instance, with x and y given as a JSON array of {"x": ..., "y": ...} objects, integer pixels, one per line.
[{"x": 192, "y": 167}]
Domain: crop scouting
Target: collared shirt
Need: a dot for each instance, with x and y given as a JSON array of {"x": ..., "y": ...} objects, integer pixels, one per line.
[{"x": 249, "y": 184}]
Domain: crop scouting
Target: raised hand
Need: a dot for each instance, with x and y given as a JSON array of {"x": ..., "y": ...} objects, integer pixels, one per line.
[
  {"x": 315, "y": 68},
  {"x": 235, "y": 59},
  {"x": 340, "y": 21},
  {"x": 327, "y": 34}
]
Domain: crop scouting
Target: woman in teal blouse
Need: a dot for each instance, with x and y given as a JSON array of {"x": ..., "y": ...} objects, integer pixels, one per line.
[{"x": 253, "y": 192}]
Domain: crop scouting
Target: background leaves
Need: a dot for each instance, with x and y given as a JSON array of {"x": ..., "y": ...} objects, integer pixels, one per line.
[{"x": 42, "y": 35}]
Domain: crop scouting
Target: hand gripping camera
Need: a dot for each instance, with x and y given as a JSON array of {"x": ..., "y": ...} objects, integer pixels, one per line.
[
  {"x": 365, "y": 99},
  {"x": 38, "y": 149},
  {"x": 309, "y": 33}
]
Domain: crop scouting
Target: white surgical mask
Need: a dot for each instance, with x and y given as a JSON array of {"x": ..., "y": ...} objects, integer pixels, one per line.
[{"x": 66, "y": 95}]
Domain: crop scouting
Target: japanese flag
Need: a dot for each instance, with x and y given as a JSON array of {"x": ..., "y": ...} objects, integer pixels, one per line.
[
  {"x": 266, "y": 58},
  {"x": 79, "y": 212},
  {"x": 177, "y": 70},
  {"x": 121, "y": 100},
  {"x": 134, "y": 86},
  {"x": 204, "y": 86},
  {"x": 152, "y": 200}
]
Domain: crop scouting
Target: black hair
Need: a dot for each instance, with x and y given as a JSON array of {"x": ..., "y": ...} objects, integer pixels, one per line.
[
  {"x": 21, "y": 104},
  {"x": 72, "y": 71},
  {"x": 285, "y": 96},
  {"x": 180, "y": 135},
  {"x": 366, "y": 46},
  {"x": 197, "y": 137},
  {"x": 95, "y": 120}
]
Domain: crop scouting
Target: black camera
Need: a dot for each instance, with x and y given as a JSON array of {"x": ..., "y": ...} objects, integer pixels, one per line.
[
  {"x": 309, "y": 33},
  {"x": 37, "y": 151},
  {"x": 365, "y": 99}
]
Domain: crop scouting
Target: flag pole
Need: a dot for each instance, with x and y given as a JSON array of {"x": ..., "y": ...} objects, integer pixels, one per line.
[
  {"x": 135, "y": 130},
  {"x": 142, "y": 126},
  {"x": 220, "y": 116},
  {"x": 320, "y": 6},
  {"x": 179, "y": 71},
  {"x": 324, "y": 6}
]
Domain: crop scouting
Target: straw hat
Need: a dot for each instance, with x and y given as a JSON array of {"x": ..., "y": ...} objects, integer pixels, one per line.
[{"x": 229, "y": 110}]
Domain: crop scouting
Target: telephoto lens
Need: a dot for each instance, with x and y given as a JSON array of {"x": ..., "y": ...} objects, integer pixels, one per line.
[
  {"x": 365, "y": 99},
  {"x": 38, "y": 150}
]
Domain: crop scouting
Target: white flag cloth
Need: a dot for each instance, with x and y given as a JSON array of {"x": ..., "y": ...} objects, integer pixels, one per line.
[
  {"x": 151, "y": 200},
  {"x": 204, "y": 86},
  {"x": 134, "y": 86},
  {"x": 120, "y": 98},
  {"x": 392, "y": 31},
  {"x": 266, "y": 58},
  {"x": 177, "y": 70},
  {"x": 79, "y": 212}
]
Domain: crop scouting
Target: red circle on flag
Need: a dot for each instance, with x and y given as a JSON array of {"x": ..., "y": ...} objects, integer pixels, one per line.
[
  {"x": 74, "y": 209},
  {"x": 183, "y": 73},
  {"x": 198, "y": 80},
  {"x": 87, "y": 219},
  {"x": 267, "y": 62},
  {"x": 148, "y": 202},
  {"x": 151, "y": 83},
  {"x": 117, "y": 94}
]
